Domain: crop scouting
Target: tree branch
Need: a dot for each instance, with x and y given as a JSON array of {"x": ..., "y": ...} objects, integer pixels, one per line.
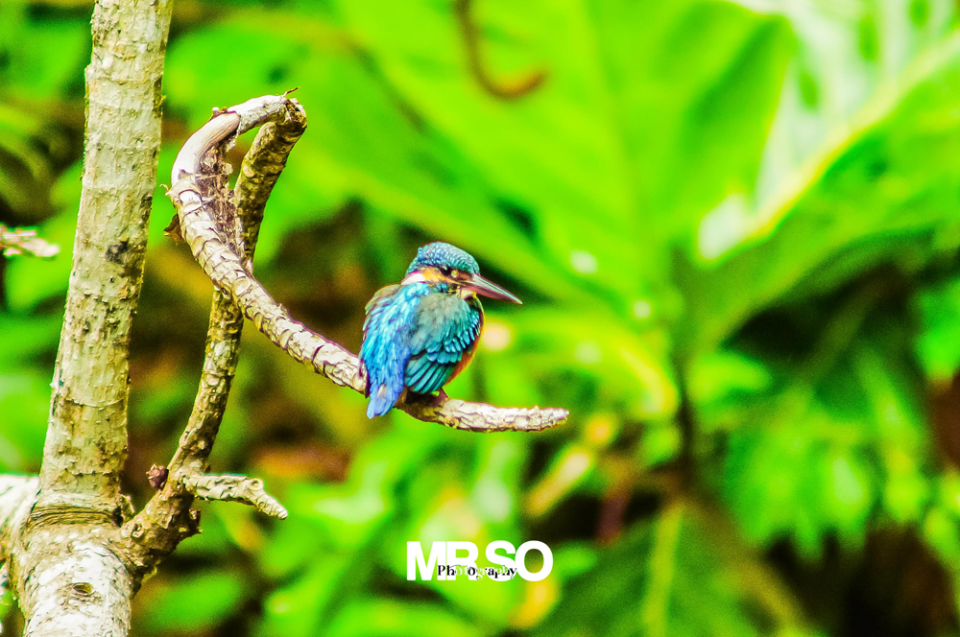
[
  {"x": 197, "y": 206},
  {"x": 167, "y": 519},
  {"x": 87, "y": 434},
  {"x": 14, "y": 241},
  {"x": 18, "y": 495}
]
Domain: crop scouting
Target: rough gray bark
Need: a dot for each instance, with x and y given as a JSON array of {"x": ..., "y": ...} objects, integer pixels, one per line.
[
  {"x": 87, "y": 435},
  {"x": 67, "y": 577}
]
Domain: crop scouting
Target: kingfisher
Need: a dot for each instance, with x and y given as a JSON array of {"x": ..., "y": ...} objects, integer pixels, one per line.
[{"x": 420, "y": 333}]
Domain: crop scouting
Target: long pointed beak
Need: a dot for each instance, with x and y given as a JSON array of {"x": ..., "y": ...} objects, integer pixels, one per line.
[{"x": 487, "y": 288}]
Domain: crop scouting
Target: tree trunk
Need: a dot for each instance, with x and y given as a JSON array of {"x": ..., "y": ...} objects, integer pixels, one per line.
[{"x": 66, "y": 574}]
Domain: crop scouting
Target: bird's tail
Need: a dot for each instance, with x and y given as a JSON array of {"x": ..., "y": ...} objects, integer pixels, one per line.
[{"x": 382, "y": 400}]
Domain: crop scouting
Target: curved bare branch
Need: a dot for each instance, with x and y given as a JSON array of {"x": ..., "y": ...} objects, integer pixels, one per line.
[
  {"x": 197, "y": 209},
  {"x": 168, "y": 519}
]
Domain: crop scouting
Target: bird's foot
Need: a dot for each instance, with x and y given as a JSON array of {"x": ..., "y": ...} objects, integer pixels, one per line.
[{"x": 441, "y": 398}]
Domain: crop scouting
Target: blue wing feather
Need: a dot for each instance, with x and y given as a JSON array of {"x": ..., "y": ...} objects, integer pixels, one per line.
[{"x": 445, "y": 327}]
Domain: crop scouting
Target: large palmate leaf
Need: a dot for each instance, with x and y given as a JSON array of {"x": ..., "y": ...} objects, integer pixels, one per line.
[
  {"x": 855, "y": 64},
  {"x": 649, "y": 115},
  {"x": 860, "y": 167},
  {"x": 626, "y": 102}
]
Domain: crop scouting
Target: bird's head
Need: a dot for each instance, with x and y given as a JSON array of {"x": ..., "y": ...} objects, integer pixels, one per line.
[{"x": 453, "y": 270}]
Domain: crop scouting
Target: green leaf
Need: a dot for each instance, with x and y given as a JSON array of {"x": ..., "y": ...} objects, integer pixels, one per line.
[
  {"x": 303, "y": 606},
  {"x": 379, "y": 617},
  {"x": 45, "y": 52},
  {"x": 859, "y": 178},
  {"x": 666, "y": 578},
  {"x": 629, "y": 365},
  {"x": 24, "y": 403},
  {"x": 198, "y": 603},
  {"x": 30, "y": 282},
  {"x": 938, "y": 340},
  {"x": 833, "y": 427}
]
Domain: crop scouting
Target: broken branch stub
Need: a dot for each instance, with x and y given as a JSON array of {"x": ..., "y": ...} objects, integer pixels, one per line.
[{"x": 197, "y": 212}]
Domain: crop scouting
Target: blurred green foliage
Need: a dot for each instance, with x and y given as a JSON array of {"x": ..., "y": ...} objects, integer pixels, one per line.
[{"x": 735, "y": 229}]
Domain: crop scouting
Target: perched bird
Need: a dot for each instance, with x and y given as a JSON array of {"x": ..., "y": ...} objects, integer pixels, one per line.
[{"x": 420, "y": 333}]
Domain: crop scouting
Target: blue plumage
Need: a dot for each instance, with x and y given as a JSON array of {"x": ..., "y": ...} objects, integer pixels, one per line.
[
  {"x": 386, "y": 347},
  {"x": 444, "y": 329},
  {"x": 443, "y": 255},
  {"x": 419, "y": 334}
]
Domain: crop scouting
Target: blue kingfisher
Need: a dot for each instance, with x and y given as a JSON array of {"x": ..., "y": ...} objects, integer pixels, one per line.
[{"x": 420, "y": 333}]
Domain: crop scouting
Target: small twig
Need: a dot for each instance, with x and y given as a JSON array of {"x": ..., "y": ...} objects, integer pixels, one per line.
[
  {"x": 234, "y": 488},
  {"x": 197, "y": 208},
  {"x": 471, "y": 39},
  {"x": 14, "y": 241}
]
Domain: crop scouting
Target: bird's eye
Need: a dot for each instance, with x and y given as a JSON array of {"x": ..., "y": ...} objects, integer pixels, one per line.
[{"x": 445, "y": 269}]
